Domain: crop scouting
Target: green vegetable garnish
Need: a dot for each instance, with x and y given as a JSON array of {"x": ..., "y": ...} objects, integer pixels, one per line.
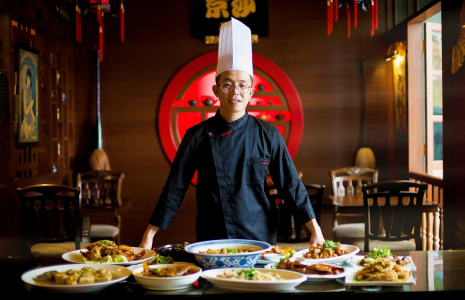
[
  {"x": 330, "y": 244},
  {"x": 379, "y": 253},
  {"x": 231, "y": 250},
  {"x": 248, "y": 274}
]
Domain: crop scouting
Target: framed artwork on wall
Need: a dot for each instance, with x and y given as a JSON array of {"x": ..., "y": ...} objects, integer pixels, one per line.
[{"x": 28, "y": 92}]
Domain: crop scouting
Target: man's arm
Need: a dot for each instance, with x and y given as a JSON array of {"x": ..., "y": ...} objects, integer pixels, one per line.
[
  {"x": 317, "y": 237},
  {"x": 147, "y": 238}
]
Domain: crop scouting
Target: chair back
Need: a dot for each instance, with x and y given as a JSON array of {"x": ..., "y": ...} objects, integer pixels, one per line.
[
  {"x": 393, "y": 211},
  {"x": 49, "y": 213},
  {"x": 349, "y": 180},
  {"x": 100, "y": 188}
]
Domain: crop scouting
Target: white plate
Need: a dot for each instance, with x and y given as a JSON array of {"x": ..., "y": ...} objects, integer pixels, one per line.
[
  {"x": 333, "y": 260},
  {"x": 292, "y": 279},
  {"x": 75, "y": 257},
  {"x": 166, "y": 283},
  {"x": 409, "y": 267},
  {"x": 349, "y": 281},
  {"x": 119, "y": 273},
  {"x": 313, "y": 277}
]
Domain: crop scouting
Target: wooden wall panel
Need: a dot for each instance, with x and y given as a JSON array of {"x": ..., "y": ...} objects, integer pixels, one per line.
[{"x": 325, "y": 71}]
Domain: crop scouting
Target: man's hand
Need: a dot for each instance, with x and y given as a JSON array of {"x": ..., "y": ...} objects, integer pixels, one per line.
[{"x": 147, "y": 238}]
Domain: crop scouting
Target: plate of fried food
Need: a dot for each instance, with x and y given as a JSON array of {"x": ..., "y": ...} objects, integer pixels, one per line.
[
  {"x": 107, "y": 252},
  {"x": 76, "y": 277},
  {"x": 380, "y": 272},
  {"x": 405, "y": 261},
  {"x": 329, "y": 252},
  {"x": 314, "y": 272},
  {"x": 275, "y": 254}
]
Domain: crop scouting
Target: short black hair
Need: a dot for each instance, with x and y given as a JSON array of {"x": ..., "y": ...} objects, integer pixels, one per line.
[{"x": 217, "y": 79}]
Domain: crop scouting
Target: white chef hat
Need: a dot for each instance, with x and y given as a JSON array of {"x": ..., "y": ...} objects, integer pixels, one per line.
[{"x": 235, "y": 48}]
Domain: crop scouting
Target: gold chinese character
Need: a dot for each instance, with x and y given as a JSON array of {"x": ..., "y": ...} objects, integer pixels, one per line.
[
  {"x": 242, "y": 8},
  {"x": 215, "y": 8}
]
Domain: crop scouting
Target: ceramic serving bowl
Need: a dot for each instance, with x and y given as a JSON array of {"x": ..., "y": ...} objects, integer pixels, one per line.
[
  {"x": 166, "y": 283},
  {"x": 229, "y": 260}
]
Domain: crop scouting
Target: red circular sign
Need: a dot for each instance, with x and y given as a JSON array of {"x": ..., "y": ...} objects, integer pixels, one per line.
[{"x": 189, "y": 99}]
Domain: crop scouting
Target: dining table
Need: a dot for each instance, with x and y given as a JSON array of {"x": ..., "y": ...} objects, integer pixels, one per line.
[
  {"x": 353, "y": 205},
  {"x": 438, "y": 273},
  {"x": 89, "y": 213}
]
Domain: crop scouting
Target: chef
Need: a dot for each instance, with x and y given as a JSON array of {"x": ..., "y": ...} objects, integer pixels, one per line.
[{"x": 232, "y": 153}]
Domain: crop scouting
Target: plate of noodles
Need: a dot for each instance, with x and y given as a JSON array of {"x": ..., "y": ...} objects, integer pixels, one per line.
[{"x": 107, "y": 252}]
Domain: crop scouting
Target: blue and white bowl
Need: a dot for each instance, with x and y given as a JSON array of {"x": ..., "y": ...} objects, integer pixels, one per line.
[{"x": 230, "y": 260}]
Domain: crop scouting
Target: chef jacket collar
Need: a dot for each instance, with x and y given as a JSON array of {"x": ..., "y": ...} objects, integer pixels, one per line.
[{"x": 224, "y": 125}]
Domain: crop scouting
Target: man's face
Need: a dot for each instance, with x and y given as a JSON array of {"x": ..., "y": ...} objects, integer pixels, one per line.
[{"x": 233, "y": 103}]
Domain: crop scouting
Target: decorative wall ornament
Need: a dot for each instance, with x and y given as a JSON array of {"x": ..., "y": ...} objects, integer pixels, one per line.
[
  {"x": 458, "y": 50},
  {"x": 208, "y": 15},
  {"x": 28, "y": 108},
  {"x": 397, "y": 54}
]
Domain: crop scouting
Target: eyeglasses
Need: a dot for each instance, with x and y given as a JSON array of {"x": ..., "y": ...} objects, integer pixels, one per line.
[{"x": 227, "y": 87}]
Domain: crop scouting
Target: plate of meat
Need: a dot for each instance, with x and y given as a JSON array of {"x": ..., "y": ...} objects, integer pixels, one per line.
[{"x": 314, "y": 272}]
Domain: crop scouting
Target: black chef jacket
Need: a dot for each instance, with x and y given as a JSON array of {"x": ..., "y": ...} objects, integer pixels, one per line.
[{"x": 232, "y": 160}]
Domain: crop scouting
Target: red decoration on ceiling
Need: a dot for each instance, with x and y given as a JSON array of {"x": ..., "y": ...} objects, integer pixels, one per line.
[
  {"x": 189, "y": 100},
  {"x": 99, "y": 7},
  {"x": 332, "y": 7}
]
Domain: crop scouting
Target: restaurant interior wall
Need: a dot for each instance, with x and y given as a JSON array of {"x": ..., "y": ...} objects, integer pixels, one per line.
[
  {"x": 159, "y": 42},
  {"x": 133, "y": 76}
]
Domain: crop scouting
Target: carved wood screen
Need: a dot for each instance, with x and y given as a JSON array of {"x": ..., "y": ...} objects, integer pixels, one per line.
[{"x": 55, "y": 152}]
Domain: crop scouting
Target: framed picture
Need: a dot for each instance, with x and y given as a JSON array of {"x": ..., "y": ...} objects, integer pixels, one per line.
[{"x": 28, "y": 92}]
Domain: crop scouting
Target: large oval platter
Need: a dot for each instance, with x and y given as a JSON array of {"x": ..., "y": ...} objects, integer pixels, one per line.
[
  {"x": 119, "y": 273},
  {"x": 292, "y": 279}
]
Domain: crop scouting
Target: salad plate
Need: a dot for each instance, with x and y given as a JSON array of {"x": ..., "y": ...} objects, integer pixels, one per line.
[
  {"x": 76, "y": 257},
  {"x": 119, "y": 273},
  {"x": 353, "y": 250},
  {"x": 313, "y": 277}
]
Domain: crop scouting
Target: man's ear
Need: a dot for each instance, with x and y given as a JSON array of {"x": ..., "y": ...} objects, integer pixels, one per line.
[
  {"x": 251, "y": 92},
  {"x": 215, "y": 90}
]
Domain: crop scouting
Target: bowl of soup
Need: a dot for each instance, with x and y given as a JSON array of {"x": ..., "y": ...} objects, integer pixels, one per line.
[{"x": 228, "y": 253}]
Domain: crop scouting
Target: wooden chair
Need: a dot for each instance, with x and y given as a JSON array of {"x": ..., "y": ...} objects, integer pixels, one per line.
[
  {"x": 102, "y": 189},
  {"x": 49, "y": 216},
  {"x": 348, "y": 181},
  {"x": 291, "y": 232},
  {"x": 393, "y": 215}
]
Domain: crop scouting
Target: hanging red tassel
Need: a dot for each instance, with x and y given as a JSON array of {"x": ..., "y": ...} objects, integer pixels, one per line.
[
  {"x": 355, "y": 13},
  {"x": 328, "y": 17},
  {"x": 336, "y": 13},
  {"x": 376, "y": 14},
  {"x": 331, "y": 13},
  {"x": 80, "y": 27},
  {"x": 100, "y": 43},
  {"x": 99, "y": 20},
  {"x": 372, "y": 18},
  {"x": 348, "y": 21},
  {"x": 122, "y": 22},
  {"x": 103, "y": 29}
]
